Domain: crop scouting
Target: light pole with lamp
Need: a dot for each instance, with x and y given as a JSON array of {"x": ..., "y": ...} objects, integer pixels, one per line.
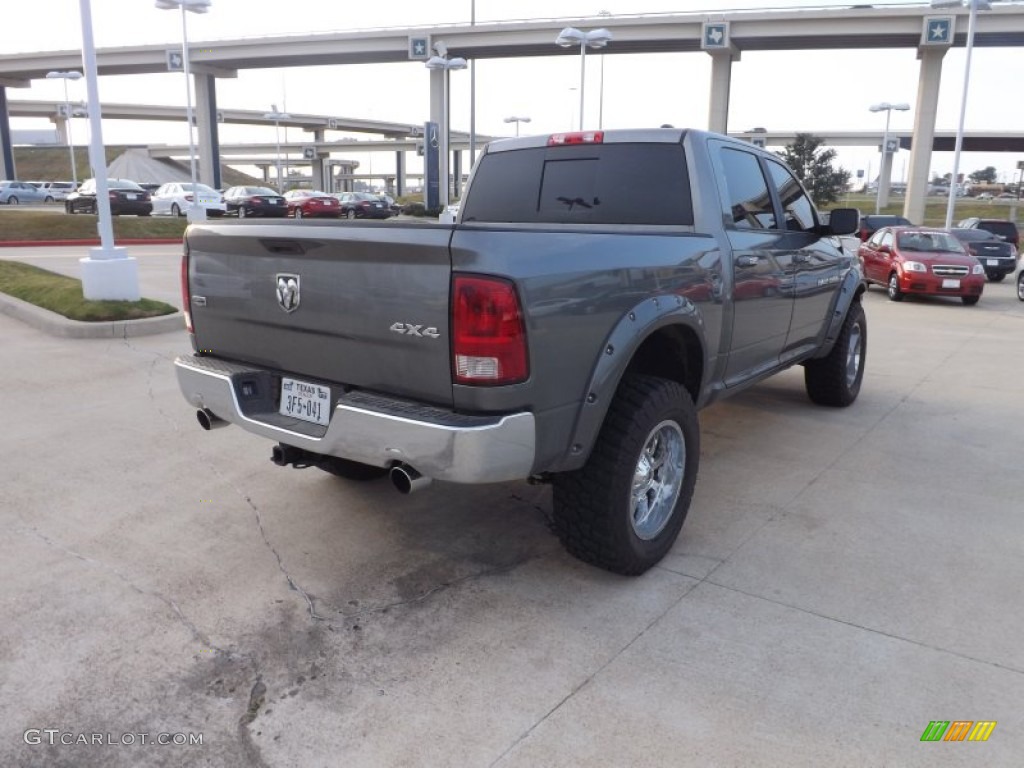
[
  {"x": 277, "y": 117},
  {"x": 974, "y": 6},
  {"x": 108, "y": 272},
  {"x": 441, "y": 62},
  {"x": 600, "y": 97},
  {"x": 595, "y": 38},
  {"x": 195, "y": 211},
  {"x": 885, "y": 169},
  {"x": 65, "y": 76},
  {"x": 517, "y": 121}
]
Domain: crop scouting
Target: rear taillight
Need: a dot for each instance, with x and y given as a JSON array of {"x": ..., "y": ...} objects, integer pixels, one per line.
[
  {"x": 186, "y": 298},
  {"x": 189, "y": 198},
  {"x": 488, "y": 333}
]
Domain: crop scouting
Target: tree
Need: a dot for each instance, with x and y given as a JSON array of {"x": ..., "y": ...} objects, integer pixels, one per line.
[
  {"x": 986, "y": 175},
  {"x": 814, "y": 166}
]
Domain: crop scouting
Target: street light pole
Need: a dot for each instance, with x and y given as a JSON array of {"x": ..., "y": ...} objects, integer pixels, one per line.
[
  {"x": 595, "y": 38},
  {"x": 440, "y": 61},
  {"x": 107, "y": 272},
  {"x": 195, "y": 211},
  {"x": 277, "y": 117},
  {"x": 600, "y": 98},
  {"x": 517, "y": 121},
  {"x": 65, "y": 76},
  {"x": 975, "y": 6},
  {"x": 885, "y": 169}
]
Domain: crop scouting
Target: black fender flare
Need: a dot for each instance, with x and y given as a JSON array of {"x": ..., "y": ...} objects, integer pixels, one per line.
[
  {"x": 849, "y": 291},
  {"x": 616, "y": 353}
]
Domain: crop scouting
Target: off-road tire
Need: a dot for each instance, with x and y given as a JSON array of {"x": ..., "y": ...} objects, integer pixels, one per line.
[
  {"x": 835, "y": 379},
  {"x": 593, "y": 510}
]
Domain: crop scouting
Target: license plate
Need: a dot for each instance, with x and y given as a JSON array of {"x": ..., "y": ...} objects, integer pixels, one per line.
[
  {"x": 131, "y": 196},
  {"x": 992, "y": 262},
  {"x": 950, "y": 283},
  {"x": 305, "y": 401}
]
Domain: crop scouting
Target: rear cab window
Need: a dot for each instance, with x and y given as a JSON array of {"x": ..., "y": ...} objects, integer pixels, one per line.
[{"x": 642, "y": 183}]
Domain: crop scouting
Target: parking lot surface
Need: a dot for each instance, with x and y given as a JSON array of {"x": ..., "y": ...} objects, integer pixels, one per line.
[{"x": 845, "y": 577}]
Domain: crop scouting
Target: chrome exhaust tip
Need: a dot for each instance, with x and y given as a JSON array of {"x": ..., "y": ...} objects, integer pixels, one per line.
[
  {"x": 406, "y": 479},
  {"x": 208, "y": 420}
]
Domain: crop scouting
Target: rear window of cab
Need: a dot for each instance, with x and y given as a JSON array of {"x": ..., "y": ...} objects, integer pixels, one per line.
[{"x": 642, "y": 183}]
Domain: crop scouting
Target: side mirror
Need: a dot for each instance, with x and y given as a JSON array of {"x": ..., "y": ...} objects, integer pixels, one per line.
[{"x": 843, "y": 221}]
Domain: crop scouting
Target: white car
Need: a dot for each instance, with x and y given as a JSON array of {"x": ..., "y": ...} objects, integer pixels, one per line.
[
  {"x": 56, "y": 191},
  {"x": 175, "y": 198},
  {"x": 16, "y": 192}
]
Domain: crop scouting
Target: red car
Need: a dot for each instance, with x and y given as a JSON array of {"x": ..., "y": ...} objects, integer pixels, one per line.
[
  {"x": 306, "y": 202},
  {"x": 922, "y": 261}
]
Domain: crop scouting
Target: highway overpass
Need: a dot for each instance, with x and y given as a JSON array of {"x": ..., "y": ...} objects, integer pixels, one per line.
[{"x": 724, "y": 36}]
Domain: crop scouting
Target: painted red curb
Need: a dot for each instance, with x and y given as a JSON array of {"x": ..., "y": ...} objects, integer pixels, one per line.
[{"x": 59, "y": 243}]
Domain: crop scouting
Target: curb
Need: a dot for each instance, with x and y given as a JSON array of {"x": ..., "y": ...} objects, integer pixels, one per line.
[
  {"x": 60, "y": 326},
  {"x": 93, "y": 242}
]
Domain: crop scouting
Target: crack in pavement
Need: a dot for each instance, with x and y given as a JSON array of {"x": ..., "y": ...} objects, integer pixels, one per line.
[
  {"x": 866, "y": 628},
  {"x": 197, "y": 633},
  {"x": 614, "y": 657},
  {"x": 294, "y": 585}
]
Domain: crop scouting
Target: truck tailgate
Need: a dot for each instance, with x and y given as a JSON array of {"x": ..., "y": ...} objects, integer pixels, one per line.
[{"x": 363, "y": 305}]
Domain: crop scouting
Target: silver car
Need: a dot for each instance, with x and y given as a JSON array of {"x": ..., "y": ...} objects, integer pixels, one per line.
[{"x": 15, "y": 192}]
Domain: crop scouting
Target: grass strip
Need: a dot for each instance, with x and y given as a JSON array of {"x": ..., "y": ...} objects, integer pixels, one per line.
[
  {"x": 57, "y": 225},
  {"x": 63, "y": 295}
]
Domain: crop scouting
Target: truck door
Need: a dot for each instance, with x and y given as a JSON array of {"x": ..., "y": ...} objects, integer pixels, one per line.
[
  {"x": 762, "y": 304},
  {"x": 814, "y": 265}
]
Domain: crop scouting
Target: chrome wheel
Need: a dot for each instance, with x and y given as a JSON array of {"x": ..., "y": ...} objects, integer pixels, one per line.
[
  {"x": 853, "y": 353},
  {"x": 657, "y": 478}
]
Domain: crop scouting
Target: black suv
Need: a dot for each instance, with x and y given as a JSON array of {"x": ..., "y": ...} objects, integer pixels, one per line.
[
  {"x": 996, "y": 255},
  {"x": 1003, "y": 227}
]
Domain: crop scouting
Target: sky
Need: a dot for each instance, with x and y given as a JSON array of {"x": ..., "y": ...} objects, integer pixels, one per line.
[{"x": 824, "y": 90}]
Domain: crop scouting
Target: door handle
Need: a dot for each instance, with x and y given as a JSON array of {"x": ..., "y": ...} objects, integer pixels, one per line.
[{"x": 746, "y": 261}]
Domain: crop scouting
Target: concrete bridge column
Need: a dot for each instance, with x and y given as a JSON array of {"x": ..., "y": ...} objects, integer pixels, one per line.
[
  {"x": 7, "y": 169},
  {"x": 924, "y": 132},
  {"x": 320, "y": 171},
  {"x": 721, "y": 79},
  {"x": 208, "y": 149},
  {"x": 399, "y": 174}
]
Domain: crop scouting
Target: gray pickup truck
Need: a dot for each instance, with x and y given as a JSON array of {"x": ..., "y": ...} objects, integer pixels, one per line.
[{"x": 596, "y": 290}]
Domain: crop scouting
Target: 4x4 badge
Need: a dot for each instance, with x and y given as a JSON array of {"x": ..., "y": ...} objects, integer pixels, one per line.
[{"x": 288, "y": 292}]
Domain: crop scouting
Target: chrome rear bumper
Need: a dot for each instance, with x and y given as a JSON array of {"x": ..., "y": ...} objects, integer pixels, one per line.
[{"x": 371, "y": 429}]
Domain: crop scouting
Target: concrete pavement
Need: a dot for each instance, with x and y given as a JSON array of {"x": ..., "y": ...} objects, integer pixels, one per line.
[{"x": 844, "y": 578}]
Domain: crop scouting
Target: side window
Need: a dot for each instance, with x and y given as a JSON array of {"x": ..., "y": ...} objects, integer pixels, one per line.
[
  {"x": 797, "y": 208},
  {"x": 887, "y": 239},
  {"x": 747, "y": 203},
  {"x": 876, "y": 239}
]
